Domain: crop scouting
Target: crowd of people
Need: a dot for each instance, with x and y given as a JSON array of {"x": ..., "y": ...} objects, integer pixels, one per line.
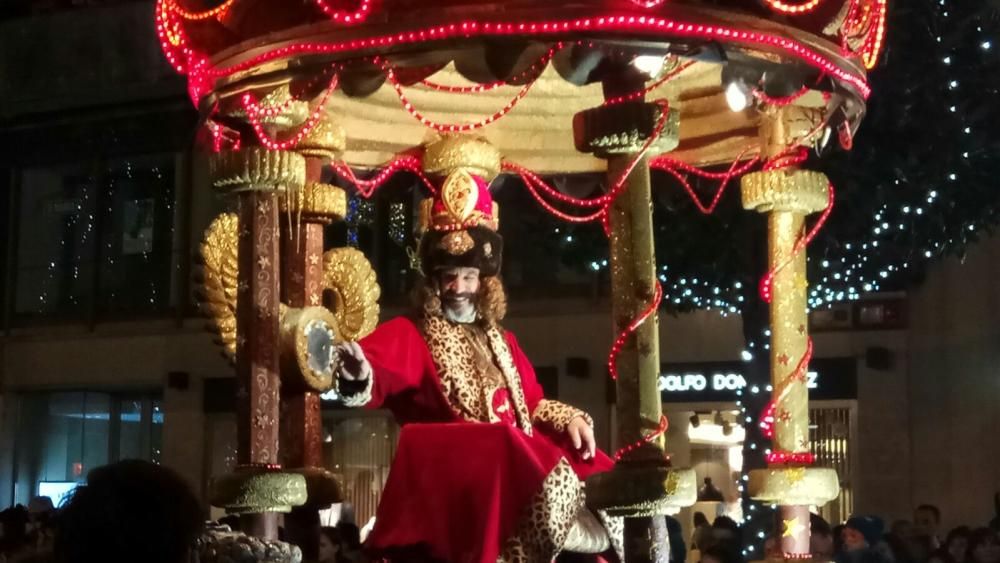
[
  {"x": 137, "y": 511},
  {"x": 861, "y": 539}
]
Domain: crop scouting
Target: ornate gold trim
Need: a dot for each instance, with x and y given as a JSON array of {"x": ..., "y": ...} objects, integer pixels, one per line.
[
  {"x": 317, "y": 200},
  {"x": 355, "y": 289},
  {"x": 255, "y": 168},
  {"x": 219, "y": 254},
  {"x": 796, "y": 191},
  {"x": 796, "y": 486},
  {"x": 450, "y": 153}
]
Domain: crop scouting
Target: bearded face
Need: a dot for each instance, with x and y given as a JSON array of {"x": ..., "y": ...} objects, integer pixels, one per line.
[{"x": 458, "y": 288}]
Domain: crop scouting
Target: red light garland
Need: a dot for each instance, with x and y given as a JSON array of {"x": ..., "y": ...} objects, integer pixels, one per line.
[
  {"x": 793, "y": 9},
  {"x": 253, "y": 109},
  {"x": 531, "y": 74},
  {"x": 472, "y": 28},
  {"x": 453, "y": 127},
  {"x": 659, "y": 431},
  {"x": 672, "y": 167},
  {"x": 767, "y": 282},
  {"x": 367, "y": 187},
  {"x": 633, "y": 326},
  {"x": 359, "y": 15},
  {"x": 219, "y": 10},
  {"x": 780, "y": 101},
  {"x": 642, "y": 93}
]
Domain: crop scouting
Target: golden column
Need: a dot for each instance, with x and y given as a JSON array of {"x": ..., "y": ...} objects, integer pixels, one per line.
[
  {"x": 788, "y": 195},
  {"x": 642, "y": 486}
]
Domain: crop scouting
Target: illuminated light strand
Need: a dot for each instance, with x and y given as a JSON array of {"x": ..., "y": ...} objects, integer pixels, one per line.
[
  {"x": 359, "y": 14},
  {"x": 633, "y": 326},
  {"x": 531, "y": 73},
  {"x": 791, "y": 458},
  {"x": 648, "y": 3},
  {"x": 273, "y": 144},
  {"x": 767, "y": 282},
  {"x": 536, "y": 184},
  {"x": 254, "y": 108},
  {"x": 474, "y": 28},
  {"x": 219, "y": 137},
  {"x": 172, "y": 39},
  {"x": 659, "y": 431},
  {"x": 453, "y": 127},
  {"x": 671, "y": 167},
  {"x": 782, "y": 100},
  {"x": 642, "y": 93},
  {"x": 797, "y": 374},
  {"x": 871, "y": 47},
  {"x": 793, "y": 9},
  {"x": 196, "y": 16},
  {"x": 367, "y": 187}
]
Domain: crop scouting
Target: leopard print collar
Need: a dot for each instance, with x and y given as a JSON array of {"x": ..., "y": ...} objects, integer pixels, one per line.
[{"x": 453, "y": 356}]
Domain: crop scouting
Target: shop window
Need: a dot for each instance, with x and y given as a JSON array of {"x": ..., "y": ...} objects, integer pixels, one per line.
[
  {"x": 62, "y": 436},
  {"x": 95, "y": 238}
]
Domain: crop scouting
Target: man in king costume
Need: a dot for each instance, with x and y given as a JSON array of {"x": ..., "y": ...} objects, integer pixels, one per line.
[{"x": 487, "y": 469}]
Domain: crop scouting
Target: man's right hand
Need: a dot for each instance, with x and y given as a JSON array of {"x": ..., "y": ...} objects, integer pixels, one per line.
[{"x": 353, "y": 364}]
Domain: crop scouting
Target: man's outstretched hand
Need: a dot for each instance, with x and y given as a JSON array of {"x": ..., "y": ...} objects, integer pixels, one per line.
[
  {"x": 582, "y": 436},
  {"x": 353, "y": 364}
]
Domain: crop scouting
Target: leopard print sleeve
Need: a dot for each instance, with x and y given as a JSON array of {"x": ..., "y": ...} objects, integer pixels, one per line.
[{"x": 557, "y": 416}]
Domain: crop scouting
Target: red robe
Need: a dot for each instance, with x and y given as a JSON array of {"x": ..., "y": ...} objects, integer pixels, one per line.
[{"x": 457, "y": 487}]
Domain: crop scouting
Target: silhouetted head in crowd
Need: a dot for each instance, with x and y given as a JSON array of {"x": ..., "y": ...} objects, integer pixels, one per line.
[
  {"x": 983, "y": 547},
  {"x": 926, "y": 519},
  {"x": 329, "y": 545},
  {"x": 862, "y": 532},
  {"x": 350, "y": 535},
  {"x": 957, "y": 543},
  {"x": 820, "y": 538},
  {"x": 718, "y": 554},
  {"x": 128, "y": 512},
  {"x": 700, "y": 519}
]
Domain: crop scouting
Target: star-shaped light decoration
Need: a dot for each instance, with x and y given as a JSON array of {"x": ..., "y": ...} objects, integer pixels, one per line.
[{"x": 792, "y": 528}]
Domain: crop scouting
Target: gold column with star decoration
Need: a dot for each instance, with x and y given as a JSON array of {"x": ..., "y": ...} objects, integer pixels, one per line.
[
  {"x": 787, "y": 195},
  {"x": 643, "y": 485}
]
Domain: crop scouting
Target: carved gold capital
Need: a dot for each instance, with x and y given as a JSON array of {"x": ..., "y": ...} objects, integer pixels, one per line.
[
  {"x": 451, "y": 153},
  {"x": 794, "y": 486},
  {"x": 317, "y": 200},
  {"x": 256, "y": 168},
  {"x": 796, "y": 191},
  {"x": 326, "y": 140}
]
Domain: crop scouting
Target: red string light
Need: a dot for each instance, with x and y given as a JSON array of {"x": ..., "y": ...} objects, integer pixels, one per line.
[
  {"x": 791, "y": 458},
  {"x": 622, "y": 23},
  {"x": 793, "y": 9},
  {"x": 453, "y": 127},
  {"x": 633, "y": 326},
  {"x": 857, "y": 15},
  {"x": 359, "y": 14},
  {"x": 672, "y": 167},
  {"x": 659, "y": 431},
  {"x": 254, "y": 109},
  {"x": 647, "y": 3},
  {"x": 642, "y": 93},
  {"x": 251, "y": 106},
  {"x": 780, "y": 101},
  {"x": 530, "y": 74},
  {"x": 767, "y": 282},
  {"x": 219, "y": 10},
  {"x": 367, "y": 187}
]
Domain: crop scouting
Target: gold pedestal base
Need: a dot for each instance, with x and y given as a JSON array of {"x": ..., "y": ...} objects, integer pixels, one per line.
[
  {"x": 255, "y": 492},
  {"x": 641, "y": 490},
  {"x": 794, "y": 486}
]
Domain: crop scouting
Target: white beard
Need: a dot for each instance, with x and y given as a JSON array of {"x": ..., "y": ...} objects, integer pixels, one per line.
[{"x": 462, "y": 315}]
